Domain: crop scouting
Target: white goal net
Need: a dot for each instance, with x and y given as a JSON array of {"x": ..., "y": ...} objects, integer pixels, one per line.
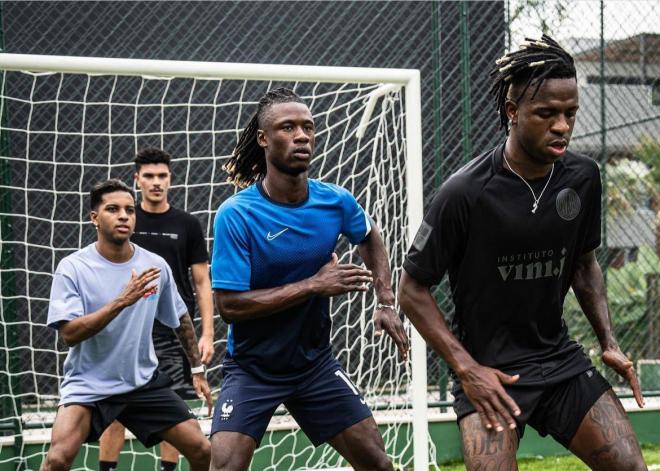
[{"x": 63, "y": 131}]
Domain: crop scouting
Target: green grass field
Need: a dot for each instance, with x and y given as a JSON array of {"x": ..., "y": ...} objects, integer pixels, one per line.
[{"x": 562, "y": 463}]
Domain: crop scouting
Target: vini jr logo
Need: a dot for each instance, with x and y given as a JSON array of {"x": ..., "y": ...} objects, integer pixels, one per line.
[{"x": 531, "y": 265}]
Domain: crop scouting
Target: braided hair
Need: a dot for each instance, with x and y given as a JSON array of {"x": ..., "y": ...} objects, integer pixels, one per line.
[
  {"x": 248, "y": 160},
  {"x": 535, "y": 61}
]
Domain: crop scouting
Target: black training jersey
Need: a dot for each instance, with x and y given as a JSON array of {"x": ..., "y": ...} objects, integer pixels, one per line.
[
  {"x": 510, "y": 269},
  {"x": 177, "y": 237}
]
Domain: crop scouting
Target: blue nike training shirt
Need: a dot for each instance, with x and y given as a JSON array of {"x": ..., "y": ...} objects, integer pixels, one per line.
[{"x": 260, "y": 243}]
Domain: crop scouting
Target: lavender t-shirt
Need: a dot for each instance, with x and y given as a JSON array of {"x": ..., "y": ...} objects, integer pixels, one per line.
[{"x": 120, "y": 358}]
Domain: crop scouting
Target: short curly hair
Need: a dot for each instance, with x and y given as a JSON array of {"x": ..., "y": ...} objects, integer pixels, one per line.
[
  {"x": 151, "y": 155},
  {"x": 108, "y": 186}
]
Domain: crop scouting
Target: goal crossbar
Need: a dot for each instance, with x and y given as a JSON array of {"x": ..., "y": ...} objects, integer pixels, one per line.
[{"x": 204, "y": 70}]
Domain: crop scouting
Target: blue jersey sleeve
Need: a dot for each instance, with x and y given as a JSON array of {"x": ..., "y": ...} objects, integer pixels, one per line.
[
  {"x": 356, "y": 225},
  {"x": 170, "y": 305},
  {"x": 65, "y": 300},
  {"x": 230, "y": 261}
]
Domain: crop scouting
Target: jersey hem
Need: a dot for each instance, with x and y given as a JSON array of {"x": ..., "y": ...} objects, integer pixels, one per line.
[{"x": 230, "y": 286}]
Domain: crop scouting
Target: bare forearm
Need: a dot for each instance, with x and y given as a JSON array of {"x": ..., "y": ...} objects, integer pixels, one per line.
[
  {"x": 204, "y": 297},
  {"x": 236, "y": 306},
  {"x": 75, "y": 331},
  {"x": 374, "y": 255},
  {"x": 188, "y": 339},
  {"x": 420, "y": 307},
  {"x": 206, "y": 314},
  {"x": 589, "y": 288}
]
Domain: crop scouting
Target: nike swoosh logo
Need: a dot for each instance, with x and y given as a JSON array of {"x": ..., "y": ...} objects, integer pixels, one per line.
[{"x": 270, "y": 236}]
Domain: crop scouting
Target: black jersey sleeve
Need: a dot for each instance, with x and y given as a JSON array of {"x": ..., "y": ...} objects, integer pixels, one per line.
[
  {"x": 441, "y": 236},
  {"x": 593, "y": 217},
  {"x": 197, "y": 252}
]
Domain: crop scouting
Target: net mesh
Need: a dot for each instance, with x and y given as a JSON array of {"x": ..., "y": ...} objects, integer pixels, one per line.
[{"x": 70, "y": 131}]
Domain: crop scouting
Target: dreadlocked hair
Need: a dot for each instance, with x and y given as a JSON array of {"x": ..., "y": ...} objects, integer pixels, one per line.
[
  {"x": 248, "y": 160},
  {"x": 535, "y": 61}
]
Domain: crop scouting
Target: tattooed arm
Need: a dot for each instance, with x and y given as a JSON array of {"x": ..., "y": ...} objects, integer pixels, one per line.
[
  {"x": 589, "y": 289},
  {"x": 188, "y": 339}
]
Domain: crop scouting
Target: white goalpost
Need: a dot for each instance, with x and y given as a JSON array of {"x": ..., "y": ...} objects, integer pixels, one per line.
[{"x": 69, "y": 122}]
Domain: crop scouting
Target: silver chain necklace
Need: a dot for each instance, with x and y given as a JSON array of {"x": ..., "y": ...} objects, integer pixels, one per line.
[{"x": 536, "y": 200}]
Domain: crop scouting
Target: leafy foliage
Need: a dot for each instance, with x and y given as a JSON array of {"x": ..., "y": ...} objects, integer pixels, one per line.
[{"x": 628, "y": 305}]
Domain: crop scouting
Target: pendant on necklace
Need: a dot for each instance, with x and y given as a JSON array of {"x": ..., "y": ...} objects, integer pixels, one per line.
[{"x": 534, "y": 206}]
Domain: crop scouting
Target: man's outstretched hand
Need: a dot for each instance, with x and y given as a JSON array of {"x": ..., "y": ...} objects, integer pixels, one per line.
[
  {"x": 388, "y": 320},
  {"x": 615, "y": 359}
]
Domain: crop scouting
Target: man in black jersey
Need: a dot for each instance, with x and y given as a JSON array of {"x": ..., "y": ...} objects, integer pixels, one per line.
[
  {"x": 515, "y": 229},
  {"x": 176, "y": 236}
]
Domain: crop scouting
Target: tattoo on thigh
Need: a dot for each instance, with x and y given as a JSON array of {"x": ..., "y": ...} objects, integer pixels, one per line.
[
  {"x": 486, "y": 449},
  {"x": 614, "y": 434}
]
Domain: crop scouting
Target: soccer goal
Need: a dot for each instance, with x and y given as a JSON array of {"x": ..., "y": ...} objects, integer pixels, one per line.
[{"x": 69, "y": 122}]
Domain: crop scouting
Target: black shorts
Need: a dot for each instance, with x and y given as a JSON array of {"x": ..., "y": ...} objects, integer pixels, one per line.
[
  {"x": 146, "y": 412},
  {"x": 172, "y": 360},
  {"x": 556, "y": 410}
]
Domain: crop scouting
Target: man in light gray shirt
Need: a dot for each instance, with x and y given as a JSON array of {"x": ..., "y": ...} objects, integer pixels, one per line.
[{"x": 103, "y": 302}]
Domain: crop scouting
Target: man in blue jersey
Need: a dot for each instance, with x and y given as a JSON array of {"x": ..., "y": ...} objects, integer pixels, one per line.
[
  {"x": 104, "y": 311},
  {"x": 273, "y": 269}
]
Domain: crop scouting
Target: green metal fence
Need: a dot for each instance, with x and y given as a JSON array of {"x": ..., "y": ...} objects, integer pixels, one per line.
[
  {"x": 616, "y": 46},
  {"x": 618, "y": 125}
]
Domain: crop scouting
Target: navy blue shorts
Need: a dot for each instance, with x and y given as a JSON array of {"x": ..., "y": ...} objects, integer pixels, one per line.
[{"x": 324, "y": 404}]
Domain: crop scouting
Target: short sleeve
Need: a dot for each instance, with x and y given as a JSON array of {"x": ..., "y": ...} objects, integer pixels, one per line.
[
  {"x": 170, "y": 305},
  {"x": 593, "y": 217},
  {"x": 197, "y": 252},
  {"x": 441, "y": 236},
  {"x": 65, "y": 300},
  {"x": 230, "y": 259},
  {"x": 356, "y": 225}
]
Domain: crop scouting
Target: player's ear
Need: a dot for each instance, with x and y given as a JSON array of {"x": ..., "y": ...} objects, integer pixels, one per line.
[
  {"x": 93, "y": 216},
  {"x": 511, "y": 109},
  {"x": 135, "y": 178},
  {"x": 261, "y": 138}
]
